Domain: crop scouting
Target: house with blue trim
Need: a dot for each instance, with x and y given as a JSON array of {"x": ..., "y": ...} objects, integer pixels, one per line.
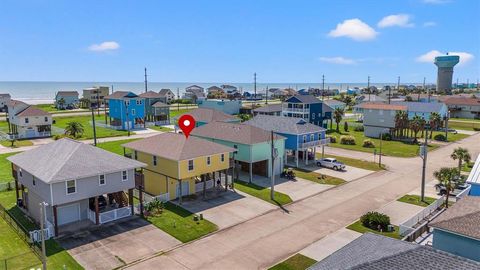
[
  {"x": 126, "y": 110},
  {"x": 457, "y": 229},
  {"x": 309, "y": 108},
  {"x": 302, "y": 138},
  {"x": 474, "y": 178}
]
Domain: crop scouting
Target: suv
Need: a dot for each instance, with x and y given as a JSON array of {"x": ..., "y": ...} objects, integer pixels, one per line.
[
  {"x": 330, "y": 163},
  {"x": 442, "y": 190}
]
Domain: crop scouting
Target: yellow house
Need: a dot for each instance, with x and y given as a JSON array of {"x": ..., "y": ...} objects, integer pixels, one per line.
[{"x": 177, "y": 165}]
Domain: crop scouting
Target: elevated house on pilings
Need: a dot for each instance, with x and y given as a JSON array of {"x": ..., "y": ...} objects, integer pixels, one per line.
[{"x": 156, "y": 111}]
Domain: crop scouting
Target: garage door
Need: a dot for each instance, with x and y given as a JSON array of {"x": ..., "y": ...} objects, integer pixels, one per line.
[{"x": 69, "y": 213}]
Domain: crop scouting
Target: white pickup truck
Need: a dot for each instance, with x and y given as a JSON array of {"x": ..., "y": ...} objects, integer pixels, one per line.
[{"x": 331, "y": 163}]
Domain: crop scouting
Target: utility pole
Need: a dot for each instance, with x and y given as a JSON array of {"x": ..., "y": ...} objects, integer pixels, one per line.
[
  {"x": 427, "y": 91},
  {"x": 146, "y": 89},
  {"x": 178, "y": 99},
  {"x": 255, "y": 87},
  {"x": 323, "y": 85},
  {"x": 424, "y": 156},
  {"x": 94, "y": 129},
  {"x": 389, "y": 94},
  {"x": 266, "y": 95},
  {"x": 368, "y": 88},
  {"x": 380, "y": 156},
  {"x": 42, "y": 232},
  {"x": 272, "y": 184},
  {"x": 398, "y": 84}
]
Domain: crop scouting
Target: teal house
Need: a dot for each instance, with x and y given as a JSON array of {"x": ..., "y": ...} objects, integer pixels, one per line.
[
  {"x": 126, "y": 110},
  {"x": 223, "y": 105},
  {"x": 253, "y": 146},
  {"x": 204, "y": 116},
  {"x": 156, "y": 111}
]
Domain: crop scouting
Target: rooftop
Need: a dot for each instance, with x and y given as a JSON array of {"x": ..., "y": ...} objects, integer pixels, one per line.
[
  {"x": 164, "y": 91},
  {"x": 4, "y": 95},
  {"x": 207, "y": 115},
  {"x": 67, "y": 93},
  {"x": 150, "y": 94},
  {"x": 269, "y": 108},
  {"x": 175, "y": 146},
  {"x": 462, "y": 101},
  {"x": 159, "y": 104},
  {"x": 474, "y": 176},
  {"x": 121, "y": 94},
  {"x": 333, "y": 102},
  {"x": 281, "y": 124},
  {"x": 32, "y": 111},
  {"x": 421, "y": 106},
  {"x": 307, "y": 99},
  {"x": 383, "y": 106},
  {"x": 69, "y": 159}
]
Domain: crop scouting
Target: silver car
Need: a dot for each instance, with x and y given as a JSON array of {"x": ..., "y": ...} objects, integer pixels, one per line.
[{"x": 331, "y": 163}]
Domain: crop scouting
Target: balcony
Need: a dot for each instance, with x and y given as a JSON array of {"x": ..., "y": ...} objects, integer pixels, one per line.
[
  {"x": 314, "y": 143},
  {"x": 296, "y": 110}
]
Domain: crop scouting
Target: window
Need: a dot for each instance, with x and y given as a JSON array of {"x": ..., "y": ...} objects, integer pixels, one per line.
[
  {"x": 222, "y": 157},
  {"x": 133, "y": 111},
  {"x": 209, "y": 161},
  {"x": 304, "y": 138},
  {"x": 26, "y": 120},
  {"x": 190, "y": 165},
  {"x": 124, "y": 175},
  {"x": 139, "y": 102},
  {"x": 380, "y": 112},
  {"x": 127, "y": 102},
  {"x": 312, "y": 137},
  {"x": 313, "y": 115},
  {"x": 71, "y": 186},
  {"x": 33, "y": 181},
  {"x": 154, "y": 160},
  {"x": 135, "y": 154},
  {"x": 101, "y": 179},
  {"x": 46, "y": 119}
]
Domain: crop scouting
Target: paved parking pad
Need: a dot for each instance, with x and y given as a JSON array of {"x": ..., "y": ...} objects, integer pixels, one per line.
[
  {"x": 329, "y": 244},
  {"x": 400, "y": 212},
  {"x": 350, "y": 173},
  {"x": 112, "y": 245}
]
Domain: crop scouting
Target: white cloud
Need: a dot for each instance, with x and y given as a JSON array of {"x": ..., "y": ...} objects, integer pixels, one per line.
[
  {"x": 400, "y": 20},
  {"x": 338, "y": 60},
  {"x": 104, "y": 46},
  {"x": 429, "y": 57},
  {"x": 429, "y": 24},
  {"x": 435, "y": 2},
  {"x": 354, "y": 29}
]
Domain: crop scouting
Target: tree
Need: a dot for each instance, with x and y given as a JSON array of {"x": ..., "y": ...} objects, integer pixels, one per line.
[
  {"x": 447, "y": 177},
  {"x": 401, "y": 122},
  {"x": 435, "y": 120},
  {"x": 74, "y": 129},
  {"x": 416, "y": 126},
  {"x": 244, "y": 117},
  {"x": 345, "y": 126},
  {"x": 61, "y": 103},
  {"x": 85, "y": 103},
  {"x": 462, "y": 155},
  {"x": 337, "y": 115}
]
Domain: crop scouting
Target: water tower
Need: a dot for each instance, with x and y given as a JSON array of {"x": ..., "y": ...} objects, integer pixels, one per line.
[{"x": 445, "y": 66}]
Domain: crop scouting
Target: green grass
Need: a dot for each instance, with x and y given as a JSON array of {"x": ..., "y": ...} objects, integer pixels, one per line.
[
  {"x": 317, "y": 177},
  {"x": 415, "y": 199},
  {"x": 61, "y": 122},
  {"x": 51, "y": 109},
  {"x": 467, "y": 167},
  {"x": 17, "y": 253},
  {"x": 16, "y": 144},
  {"x": 175, "y": 112},
  {"x": 358, "y": 227},
  {"x": 4, "y": 126},
  {"x": 296, "y": 262},
  {"x": 179, "y": 223},
  {"x": 115, "y": 146},
  {"x": 461, "y": 125},
  {"x": 451, "y": 137},
  {"x": 5, "y": 168},
  {"x": 160, "y": 128},
  {"x": 262, "y": 193},
  {"x": 359, "y": 163},
  {"x": 57, "y": 257}
]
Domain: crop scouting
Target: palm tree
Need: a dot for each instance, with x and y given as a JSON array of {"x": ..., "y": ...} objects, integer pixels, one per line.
[
  {"x": 338, "y": 114},
  {"x": 435, "y": 120},
  {"x": 61, "y": 103},
  {"x": 85, "y": 102},
  {"x": 398, "y": 123},
  {"x": 74, "y": 129},
  {"x": 416, "y": 126},
  {"x": 446, "y": 177},
  {"x": 462, "y": 155}
]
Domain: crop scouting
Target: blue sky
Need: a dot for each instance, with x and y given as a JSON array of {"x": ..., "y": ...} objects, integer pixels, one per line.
[{"x": 226, "y": 41}]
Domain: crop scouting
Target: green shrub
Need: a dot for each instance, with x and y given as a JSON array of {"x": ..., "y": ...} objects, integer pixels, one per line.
[
  {"x": 348, "y": 140},
  {"x": 358, "y": 128},
  {"x": 333, "y": 139},
  {"x": 476, "y": 129},
  {"x": 440, "y": 137},
  {"x": 386, "y": 137},
  {"x": 374, "y": 220},
  {"x": 368, "y": 143}
]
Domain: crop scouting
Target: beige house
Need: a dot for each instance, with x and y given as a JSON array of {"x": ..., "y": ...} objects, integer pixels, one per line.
[{"x": 96, "y": 95}]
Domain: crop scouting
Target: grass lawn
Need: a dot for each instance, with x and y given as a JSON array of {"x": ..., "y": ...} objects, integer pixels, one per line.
[
  {"x": 51, "y": 109},
  {"x": 179, "y": 223},
  {"x": 415, "y": 199},
  {"x": 317, "y": 177},
  {"x": 296, "y": 262},
  {"x": 114, "y": 146},
  {"x": 5, "y": 168},
  {"x": 160, "y": 128},
  {"x": 61, "y": 122},
  {"x": 57, "y": 257},
  {"x": 16, "y": 144},
  {"x": 462, "y": 125},
  {"x": 174, "y": 112},
  {"x": 17, "y": 253},
  {"x": 451, "y": 137},
  {"x": 262, "y": 193},
  {"x": 389, "y": 148},
  {"x": 358, "y": 227},
  {"x": 4, "y": 126},
  {"x": 359, "y": 163}
]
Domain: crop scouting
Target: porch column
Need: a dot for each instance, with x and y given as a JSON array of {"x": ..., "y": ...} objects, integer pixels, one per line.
[
  {"x": 130, "y": 199},
  {"x": 16, "y": 191},
  {"x": 97, "y": 211},
  {"x": 140, "y": 198},
  {"x": 180, "y": 197},
  {"x": 23, "y": 197},
  {"x": 306, "y": 156},
  {"x": 296, "y": 158},
  {"x": 204, "y": 180},
  {"x": 251, "y": 172},
  {"x": 314, "y": 154},
  {"x": 226, "y": 179},
  {"x": 55, "y": 219}
]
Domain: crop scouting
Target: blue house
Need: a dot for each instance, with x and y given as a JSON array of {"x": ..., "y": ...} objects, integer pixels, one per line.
[
  {"x": 66, "y": 100},
  {"x": 457, "y": 229},
  {"x": 474, "y": 178},
  {"x": 126, "y": 110},
  {"x": 309, "y": 108},
  {"x": 302, "y": 138}
]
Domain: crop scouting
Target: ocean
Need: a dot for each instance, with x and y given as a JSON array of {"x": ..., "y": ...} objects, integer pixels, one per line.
[{"x": 44, "y": 92}]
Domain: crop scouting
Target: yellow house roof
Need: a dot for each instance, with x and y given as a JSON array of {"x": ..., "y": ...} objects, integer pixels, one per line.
[{"x": 175, "y": 146}]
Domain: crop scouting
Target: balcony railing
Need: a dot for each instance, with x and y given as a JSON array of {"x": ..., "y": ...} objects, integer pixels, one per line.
[
  {"x": 301, "y": 110},
  {"x": 314, "y": 143},
  {"x": 111, "y": 215}
]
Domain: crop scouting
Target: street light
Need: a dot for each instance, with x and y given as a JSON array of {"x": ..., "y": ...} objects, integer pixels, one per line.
[
  {"x": 423, "y": 154},
  {"x": 43, "y": 218},
  {"x": 273, "y": 157},
  {"x": 94, "y": 129},
  {"x": 381, "y": 139}
]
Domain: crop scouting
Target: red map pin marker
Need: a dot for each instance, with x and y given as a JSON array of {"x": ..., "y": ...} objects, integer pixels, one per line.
[{"x": 186, "y": 124}]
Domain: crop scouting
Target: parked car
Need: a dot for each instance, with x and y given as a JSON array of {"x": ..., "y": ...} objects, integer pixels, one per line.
[
  {"x": 442, "y": 190},
  {"x": 331, "y": 163}
]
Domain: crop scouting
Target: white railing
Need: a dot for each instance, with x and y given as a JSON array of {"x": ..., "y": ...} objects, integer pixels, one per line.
[
  {"x": 49, "y": 231},
  {"x": 302, "y": 110},
  {"x": 199, "y": 186},
  {"x": 464, "y": 193},
  {"x": 111, "y": 215},
  {"x": 91, "y": 216},
  {"x": 148, "y": 198},
  {"x": 315, "y": 143},
  {"x": 407, "y": 226},
  {"x": 23, "y": 136}
]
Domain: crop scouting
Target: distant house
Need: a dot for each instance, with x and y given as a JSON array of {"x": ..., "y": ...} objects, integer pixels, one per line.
[
  {"x": 4, "y": 100},
  {"x": 177, "y": 166},
  {"x": 301, "y": 137},
  {"x": 474, "y": 178},
  {"x": 167, "y": 96},
  {"x": 456, "y": 230},
  {"x": 204, "y": 116},
  {"x": 26, "y": 121},
  {"x": 270, "y": 109},
  {"x": 372, "y": 251},
  {"x": 303, "y": 92},
  {"x": 369, "y": 98},
  {"x": 223, "y": 105},
  {"x": 229, "y": 89},
  {"x": 463, "y": 107},
  {"x": 354, "y": 91},
  {"x": 96, "y": 95},
  {"x": 194, "y": 93},
  {"x": 80, "y": 183},
  {"x": 310, "y": 108},
  {"x": 127, "y": 110},
  {"x": 253, "y": 146},
  {"x": 424, "y": 109},
  {"x": 379, "y": 118},
  {"x": 334, "y": 104},
  {"x": 215, "y": 92},
  {"x": 156, "y": 111},
  {"x": 66, "y": 100},
  {"x": 194, "y": 88}
]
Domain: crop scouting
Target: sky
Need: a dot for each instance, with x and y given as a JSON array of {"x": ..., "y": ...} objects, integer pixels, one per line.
[{"x": 295, "y": 41}]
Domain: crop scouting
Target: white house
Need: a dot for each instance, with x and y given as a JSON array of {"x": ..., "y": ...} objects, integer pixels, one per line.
[
  {"x": 4, "y": 100},
  {"x": 167, "y": 95},
  {"x": 26, "y": 121}
]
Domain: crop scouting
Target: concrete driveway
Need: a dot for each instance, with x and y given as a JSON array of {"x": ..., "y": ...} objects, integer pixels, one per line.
[
  {"x": 228, "y": 208},
  {"x": 324, "y": 247},
  {"x": 400, "y": 212},
  {"x": 114, "y": 244},
  {"x": 350, "y": 173}
]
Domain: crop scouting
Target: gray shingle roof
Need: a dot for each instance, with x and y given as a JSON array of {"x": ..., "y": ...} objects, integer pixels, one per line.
[
  {"x": 4, "y": 95},
  {"x": 121, "y": 94},
  {"x": 281, "y": 124},
  {"x": 269, "y": 108},
  {"x": 150, "y": 94},
  {"x": 32, "y": 111},
  {"x": 421, "y": 107},
  {"x": 334, "y": 102},
  {"x": 209, "y": 115},
  {"x": 175, "y": 146},
  {"x": 68, "y": 159},
  {"x": 67, "y": 93},
  {"x": 376, "y": 252},
  {"x": 307, "y": 99},
  {"x": 165, "y": 91},
  {"x": 461, "y": 218},
  {"x": 238, "y": 133}
]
